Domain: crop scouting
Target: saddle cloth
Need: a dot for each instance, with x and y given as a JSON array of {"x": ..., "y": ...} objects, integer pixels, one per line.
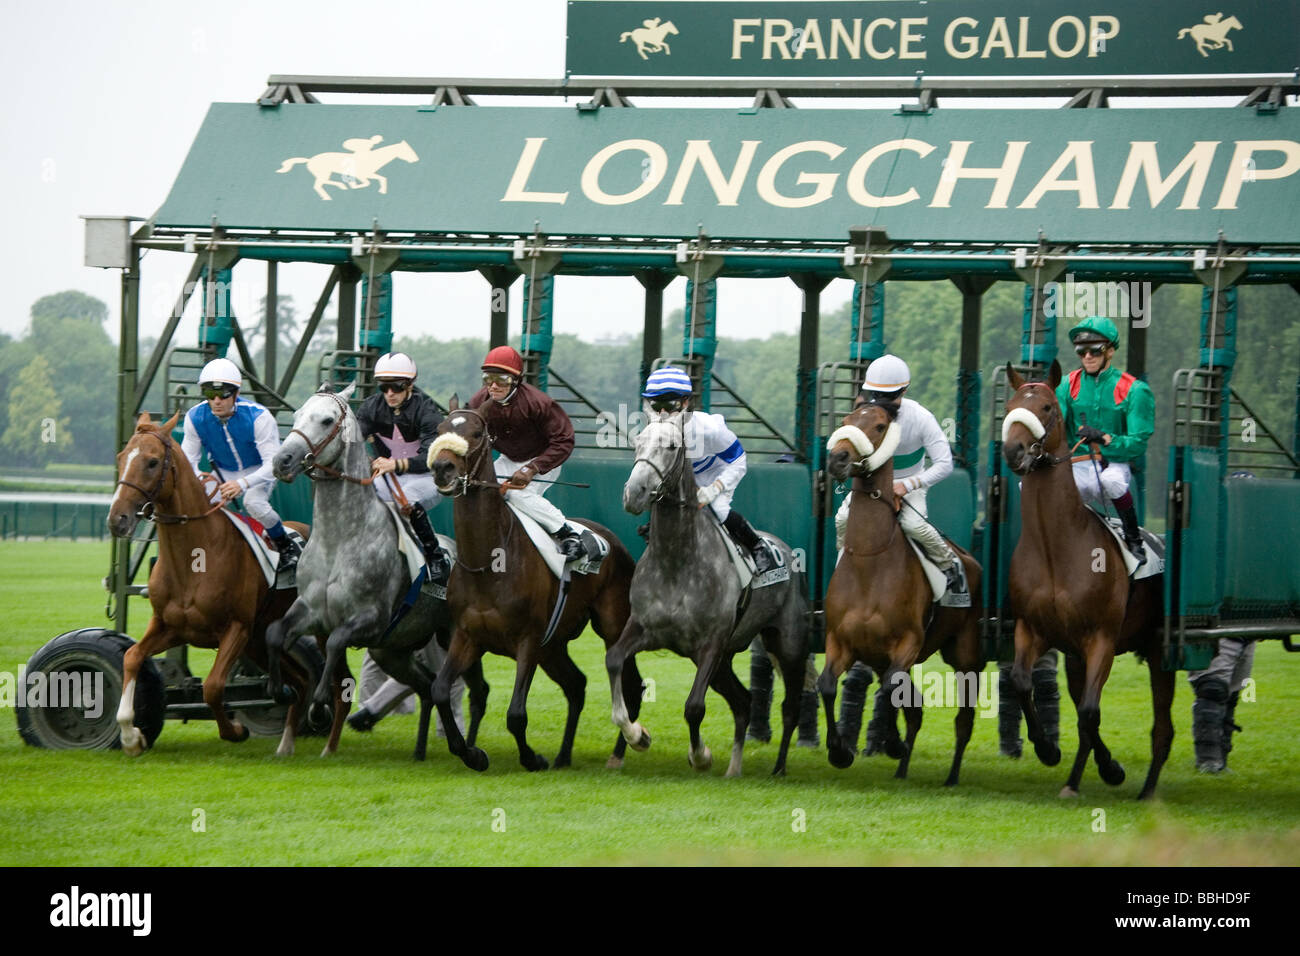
[
  {"x": 743, "y": 561},
  {"x": 938, "y": 581},
  {"x": 410, "y": 550},
  {"x": 550, "y": 552},
  {"x": 1155, "y": 545},
  {"x": 267, "y": 557}
]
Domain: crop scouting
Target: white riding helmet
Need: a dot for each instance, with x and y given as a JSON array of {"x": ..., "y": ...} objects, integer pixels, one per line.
[
  {"x": 221, "y": 370},
  {"x": 395, "y": 365},
  {"x": 889, "y": 373}
]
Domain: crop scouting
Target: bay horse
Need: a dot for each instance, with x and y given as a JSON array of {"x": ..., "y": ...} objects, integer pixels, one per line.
[
  {"x": 1059, "y": 597},
  {"x": 206, "y": 588},
  {"x": 879, "y": 604},
  {"x": 502, "y": 596},
  {"x": 352, "y": 579},
  {"x": 686, "y": 598}
]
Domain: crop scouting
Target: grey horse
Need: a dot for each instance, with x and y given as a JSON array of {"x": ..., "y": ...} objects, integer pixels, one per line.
[
  {"x": 351, "y": 578},
  {"x": 686, "y": 597}
]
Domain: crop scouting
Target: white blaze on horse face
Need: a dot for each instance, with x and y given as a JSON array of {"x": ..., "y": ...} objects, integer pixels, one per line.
[
  {"x": 126, "y": 470},
  {"x": 1024, "y": 417}
]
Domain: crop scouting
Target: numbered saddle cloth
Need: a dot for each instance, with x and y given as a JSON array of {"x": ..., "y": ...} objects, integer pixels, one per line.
[
  {"x": 550, "y": 551},
  {"x": 939, "y": 581},
  {"x": 743, "y": 561},
  {"x": 268, "y": 559},
  {"x": 1155, "y": 547},
  {"x": 414, "y": 554}
]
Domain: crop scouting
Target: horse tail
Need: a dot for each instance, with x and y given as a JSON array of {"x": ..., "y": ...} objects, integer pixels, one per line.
[
  {"x": 623, "y": 38},
  {"x": 1183, "y": 32},
  {"x": 289, "y": 163}
]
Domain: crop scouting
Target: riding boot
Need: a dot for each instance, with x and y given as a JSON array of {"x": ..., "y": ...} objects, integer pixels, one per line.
[
  {"x": 439, "y": 565},
  {"x": 882, "y": 715},
  {"x": 1047, "y": 697},
  {"x": 1209, "y": 714},
  {"x": 1230, "y": 725},
  {"x": 1010, "y": 743},
  {"x": 574, "y": 544},
  {"x": 290, "y": 552},
  {"x": 853, "y": 698},
  {"x": 808, "y": 736},
  {"x": 760, "y": 695},
  {"x": 745, "y": 536},
  {"x": 1132, "y": 534}
]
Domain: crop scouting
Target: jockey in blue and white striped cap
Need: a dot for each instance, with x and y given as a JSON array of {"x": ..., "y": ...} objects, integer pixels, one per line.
[{"x": 717, "y": 457}]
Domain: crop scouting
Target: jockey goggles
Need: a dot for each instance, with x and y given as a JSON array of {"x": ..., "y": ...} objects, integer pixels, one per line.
[
  {"x": 498, "y": 378},
  {"x": 1090, "y": 348},
  {"x": 393, "y": 384},
  {"x": 219, "y": 390},
  {"x": 667, "y": 403}
]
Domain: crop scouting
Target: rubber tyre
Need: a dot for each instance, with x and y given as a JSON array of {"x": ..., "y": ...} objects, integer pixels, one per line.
[
  {"x": 89, "y": 651},
  {"x": 269, "y": 721}
]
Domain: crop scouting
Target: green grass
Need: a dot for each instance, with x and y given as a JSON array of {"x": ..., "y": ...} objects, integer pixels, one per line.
[{"x": 371, "y": 804}]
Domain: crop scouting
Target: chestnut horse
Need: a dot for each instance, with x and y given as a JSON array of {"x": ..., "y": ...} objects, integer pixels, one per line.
[
  {"x": 1059, "y": 597},
  {"x": 879, "y": 605},
  {"x": 502, "y": 595},
  {"x": 222, "y": 602}
]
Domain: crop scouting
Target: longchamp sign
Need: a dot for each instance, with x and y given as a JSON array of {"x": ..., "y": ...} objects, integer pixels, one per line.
[
  {"x": 1114, "y": 175},
  {"x": 906, "y": 38}
]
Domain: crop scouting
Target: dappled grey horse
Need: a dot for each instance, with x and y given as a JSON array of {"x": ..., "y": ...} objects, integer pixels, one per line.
[
  {"x": 686, "y": 597},
  {"x": 351, "y": 578}
]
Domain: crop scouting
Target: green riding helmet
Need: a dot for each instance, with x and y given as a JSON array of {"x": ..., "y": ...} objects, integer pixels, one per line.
[{"x": 1093, "y": 328}]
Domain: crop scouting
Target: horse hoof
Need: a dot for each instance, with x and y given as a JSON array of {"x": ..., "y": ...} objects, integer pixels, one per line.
[
  {"x": 476, "y": 759},
  {"x": 840, "y": 757},
  {"x": 539, "y": 763},
  {"x": 133, "y": 743},
  {"x": 1112, "y": 774},
  {"x": 1068, "y": 792},
  {"x": 703, "y": 761},
  {"x": 320, "y": 717},
  {"x": 779, "y": 771},
  {"x": 950, "y": 782},
  {"x": 1048, "y": 754},
  {"x": 562, "y": 762},
  {"x": 643, "y": 744},
  {"x": 241, "y": 733},
  {"x": 614, "y": 763},
  {"x": 895, "y": 749}
]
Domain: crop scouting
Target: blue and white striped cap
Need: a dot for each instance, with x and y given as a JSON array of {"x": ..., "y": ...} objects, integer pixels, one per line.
[{"x": 667, "y": 381}]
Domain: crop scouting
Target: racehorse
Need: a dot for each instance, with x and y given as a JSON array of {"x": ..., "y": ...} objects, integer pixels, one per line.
[
  {"x": 1212, "y": 34},
  {"x": 222, "y": 602},
  {"x": 879, "y": 606},
  {"x": 502, "y": 596},
  {"x": 352, "y": 579},
  {"x": 361, "y": 165},
  {"x": 650, "y": 37},
  {"x": 1060, "y": 598},
  {"x": 686, "y": 596}
]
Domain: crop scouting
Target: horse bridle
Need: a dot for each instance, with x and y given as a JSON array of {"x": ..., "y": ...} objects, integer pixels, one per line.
[
  {"x": 310, "y": 466},
  {"x": 1039, "y": 456},
  {"x": 473, "y": 456},
  {"x": 668, "y": 481},
  {"x": 149, "y": 509}
]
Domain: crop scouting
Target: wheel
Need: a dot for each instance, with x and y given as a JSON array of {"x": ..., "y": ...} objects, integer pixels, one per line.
[
  {"x": 269, "y": 721},
  {"x": 82, "y": 671}
]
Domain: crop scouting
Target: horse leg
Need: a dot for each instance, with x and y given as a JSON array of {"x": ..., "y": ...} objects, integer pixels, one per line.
[
  {"x": 963, "y": 656},
  {"x": 230, "y": 646},
  {"x": 1029, "y": 648},
  {"x": 383, "y": 182},
  {"x": 461, "y": 657},
  {"x": 1074, "y": 674},
  {"x": 838, "y": 659},
  {"x": 340, "y": 706},
  {"x": 793, "y": 669},
  {"x": 621, "y": 653},
  {"x": 737, "y": 697},
  {"x": 422, "y": 734},
  {"x": 610, "y": 617},
  {"x": 157, "y": 638},
  {"x": 1100, "y": 656},
  {"x": 478, "y": 696},
  {"x": 517, "y": 712},
  {"x": 327, "y": 700},
  {"x": 1162, "y": 727},
  {"x": 560, "y": 668},
  {"x": 903, "y": 696},
  {"x": 281, "y": 633},
  {"x": 699, "y": 756}
]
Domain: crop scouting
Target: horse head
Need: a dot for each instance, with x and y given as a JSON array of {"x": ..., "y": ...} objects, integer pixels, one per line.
[
  {"x": 865, "y": 440},
  {"x": 146, "y": 473},
  {"x": 460, "y": 449},
  {"x": 660, "y": 459},
  {"x": 1033, "y": 429},
  {"x": 317, "y": 423}
]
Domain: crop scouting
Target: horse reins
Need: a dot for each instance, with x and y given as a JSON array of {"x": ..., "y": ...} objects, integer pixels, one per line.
[
  {"x": 672, "y": 478},
  {"x": 310, "y": 466},
  {"x": 149, "y": 509},
  {"x": 460, "y": 487}
]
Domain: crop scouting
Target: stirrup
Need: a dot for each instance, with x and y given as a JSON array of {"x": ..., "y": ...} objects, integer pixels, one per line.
[
  {"x": 955, "y": 579},
  {"x": 762, "y": 559},
  {"x": 290, "y": 552}
]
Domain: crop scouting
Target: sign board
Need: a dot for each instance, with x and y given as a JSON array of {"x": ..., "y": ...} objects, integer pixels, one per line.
[
  {"x": 1112, "y": 175},
  {"x": 910, "y": 38}
]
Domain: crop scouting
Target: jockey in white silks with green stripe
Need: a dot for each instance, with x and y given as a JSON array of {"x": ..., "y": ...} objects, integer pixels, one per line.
[{"x": 919, "y": 437}]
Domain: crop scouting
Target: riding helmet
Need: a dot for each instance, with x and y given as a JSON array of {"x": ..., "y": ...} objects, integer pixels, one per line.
[
  {"x": 667, "y": 381},
  {"x": 1095, "y": 328},
  {"x": 395, "y": 365},
  {"x": 505, "y": 359},
  {"x": 221, "y": 370}
]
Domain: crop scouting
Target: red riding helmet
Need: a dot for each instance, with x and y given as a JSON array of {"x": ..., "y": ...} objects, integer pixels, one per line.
[{"x": 505, "y": 359}]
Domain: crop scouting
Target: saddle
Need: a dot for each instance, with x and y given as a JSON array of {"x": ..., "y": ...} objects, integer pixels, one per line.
[
  {"x": 1155, "y": 547},
  {"x": 546, "y": 547},
  {"x": 410, "y": 549},
  {"x": 743, "y": 562},
  {"x": 268, "y": 558}
]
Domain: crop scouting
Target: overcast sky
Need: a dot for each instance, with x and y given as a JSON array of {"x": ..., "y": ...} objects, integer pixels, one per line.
[{"x": 105, "y": 97}]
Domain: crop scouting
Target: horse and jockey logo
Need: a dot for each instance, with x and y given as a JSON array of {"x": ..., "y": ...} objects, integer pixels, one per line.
[
  {"x": 357, "y": 167},
  {"x": 1212, "y": 34},
  {"x": 649, "y": 38}
]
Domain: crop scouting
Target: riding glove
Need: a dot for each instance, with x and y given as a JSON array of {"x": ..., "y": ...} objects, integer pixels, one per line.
[{"x": 706, "y": 494}]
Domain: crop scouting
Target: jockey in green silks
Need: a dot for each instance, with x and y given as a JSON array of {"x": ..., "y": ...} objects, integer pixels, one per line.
[{"x": 1109, "y": 409}]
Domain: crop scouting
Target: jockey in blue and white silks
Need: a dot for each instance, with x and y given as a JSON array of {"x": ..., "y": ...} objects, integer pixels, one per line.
[
  {"x": 717, "y": 458},
  {"x": 920, "y": 437},
  {"x": 241, "y": 438}
]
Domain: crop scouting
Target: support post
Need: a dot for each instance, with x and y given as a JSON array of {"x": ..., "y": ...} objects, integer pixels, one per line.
[
  {"x": 652, "y": 344},
  {"x": 500, "y": 278},
  {"x": 811, "y": 285},
  {"x": 272, "y": 320},
  {"x": 968, "y": 370}
]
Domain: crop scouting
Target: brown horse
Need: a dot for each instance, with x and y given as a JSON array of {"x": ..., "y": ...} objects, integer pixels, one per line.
[
  {"x": 878, "y": 599},
  {"x": 1063, "y": 597},
  {"x": 207, "y": 589},
  {"x": 502, "y": 595}
]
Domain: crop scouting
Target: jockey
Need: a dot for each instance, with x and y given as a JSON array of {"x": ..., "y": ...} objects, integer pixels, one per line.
[
  {"x": 401, "y": 422},
  {"x": 533, "y": 436},
  {"x": 241, "y": 438},
  {"x": 887, "y": 379},
  {"x": 716, "y": 457},
  {"x": 1110, "y": 408}
]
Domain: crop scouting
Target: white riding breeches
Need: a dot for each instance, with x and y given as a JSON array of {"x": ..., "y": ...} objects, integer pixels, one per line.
[
  {"x": 1114, "y": 479},
  {"x": 419, "y": 488},
  {"x": 256, "y": 497},
  {"x": 529, "y": 500},
  {"x": 911, "y": 516}
]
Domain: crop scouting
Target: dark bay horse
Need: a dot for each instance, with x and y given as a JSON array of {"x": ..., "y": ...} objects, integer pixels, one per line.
[
  {"x": 879, "y": 605},
  {"x": 206, "y": 588},
  {"x": 1059, "y": 597},
  {"x": 502, "y": 595},
  {"x": 685, "y": 596},
  {"x": 351, "y": 578}
]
